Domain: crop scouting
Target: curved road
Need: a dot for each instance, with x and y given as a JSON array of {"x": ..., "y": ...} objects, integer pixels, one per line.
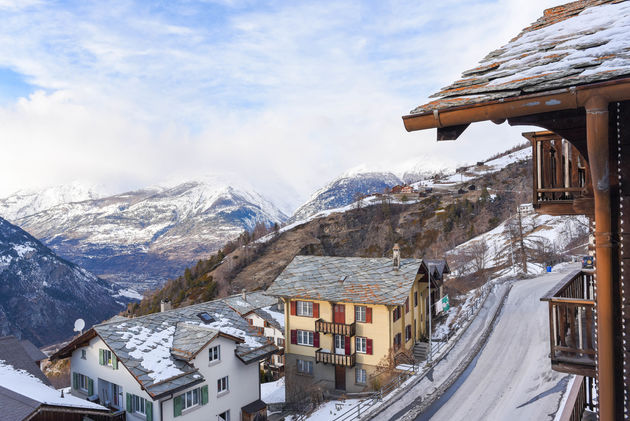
[{"x": 512, "y": 378}]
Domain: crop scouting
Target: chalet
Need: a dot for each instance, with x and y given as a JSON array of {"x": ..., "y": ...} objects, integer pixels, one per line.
[
  {"x": 348, "y": 315},
  {"x": 569, "y": 74},
  {"x": 26, "y": 394},
  {"x": 192, "y": 363}
]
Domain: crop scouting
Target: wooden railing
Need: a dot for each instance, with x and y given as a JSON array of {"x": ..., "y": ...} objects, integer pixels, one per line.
[
  {"x": 579, "y": 398},
  {"x": 335, "y": 328},
  {"x": 571, "y": 324},
  {"x": 336, "y": 359}
]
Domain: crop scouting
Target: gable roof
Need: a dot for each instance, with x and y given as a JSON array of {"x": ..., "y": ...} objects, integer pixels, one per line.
[
  {"x": 438, "y": 265},
  {"x": 578, "y": 43},
  {"x": 348, "y": 279},
  {"x": 253, "y": 300},
  {"x": 18, "y": 354}
]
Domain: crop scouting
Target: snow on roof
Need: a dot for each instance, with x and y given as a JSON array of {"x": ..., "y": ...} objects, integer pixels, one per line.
[
  {"x": 253, "y": 300},
  {"x": 273, "y": 313},
  {"x": 24, "y": 383},
  {"x": 574, "y": 44}
]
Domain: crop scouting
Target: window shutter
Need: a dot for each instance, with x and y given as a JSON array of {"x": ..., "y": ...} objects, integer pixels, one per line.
[
  {"x": 204, "y": 395},
  {"x": 347, "y": 345},
  {"x": 368, "y": 346},
  {"x": 293, "y": 336},
  {"x": 316, "y": 339},
  {"x": 407, "y": 305},
  {"x": 293, "y": 308},
  {"x": 129, "y": 402},
  {"x": 101, "y": 357},
  {"x": 177, "y": 406},
  {"x": 90, "y": 387},
  {"x": 75, "y": 381},
  {"x": 316, "y": 310},
  {"x": 368, "y": 315},
  {"x": 148, "y": 408},
  {"x": 114, "y": 362}
]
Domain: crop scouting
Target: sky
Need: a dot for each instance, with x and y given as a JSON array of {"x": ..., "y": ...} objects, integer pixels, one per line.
[{"x": 282, "y": 95}]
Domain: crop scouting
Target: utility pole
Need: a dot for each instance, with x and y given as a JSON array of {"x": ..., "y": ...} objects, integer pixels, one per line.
[
  {"x": 520, "y": 231},
  {"x": 430, "y": 332}
]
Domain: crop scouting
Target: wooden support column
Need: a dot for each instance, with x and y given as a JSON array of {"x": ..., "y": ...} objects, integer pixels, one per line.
[{"x": 598, "y": 157}]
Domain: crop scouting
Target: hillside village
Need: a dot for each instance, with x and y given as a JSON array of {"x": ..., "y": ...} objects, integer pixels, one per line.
[{"x": 495, "y": 290}]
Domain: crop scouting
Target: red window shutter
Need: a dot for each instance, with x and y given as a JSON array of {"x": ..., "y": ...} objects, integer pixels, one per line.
[
  {"x": 316, "y": 339},
  {"x": 293, "y": 336},
  {"x": 316, "y": 310},
  {"x": 368, "y": 347},
  {"x": 293, "y": 308},
  {"x": 368, "y": 315},
  {"x": 347, "y": 345},
  {"x": 407, "y": 305}
]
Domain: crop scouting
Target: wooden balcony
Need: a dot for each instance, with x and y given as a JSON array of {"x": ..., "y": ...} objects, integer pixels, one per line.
[
  {"x": 335, "y": 359},
  {"x": 335, "y": 328},
  {"x": 561, "y": 176},
  {"x": 572, "y": 324}
]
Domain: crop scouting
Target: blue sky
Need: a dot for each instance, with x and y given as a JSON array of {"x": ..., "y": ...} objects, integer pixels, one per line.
[{"x": 285, "y": 95}]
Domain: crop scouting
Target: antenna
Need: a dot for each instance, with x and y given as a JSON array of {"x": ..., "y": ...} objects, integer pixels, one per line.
[{"x": 79, "y": 324}]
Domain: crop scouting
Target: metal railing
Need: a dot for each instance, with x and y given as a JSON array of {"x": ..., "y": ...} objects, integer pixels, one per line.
[
  {"x": 323, "y": 326},
  {"x": 336, "y": 359}
]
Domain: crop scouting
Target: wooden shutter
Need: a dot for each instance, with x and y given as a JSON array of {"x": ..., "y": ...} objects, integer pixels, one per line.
[
  {"x": 148, "y": 408},
  {"x": 114, "y": 362},
  {"x": 90, "y": 387},
  {"x": 293, "y": 308},
  {"x": 347, "y": 345},
  {"x": 293, "y": 336},
  {"x": 75, "y": 381},
  {"x": 177, "y": 406},
  {"x": 407, "y": 305},
  {"x": 316, "y": 310},
  {"x": 129, "y": 402},
  {"x": 101, "y": 357},
  {"x": 368, "y": 314},
  {"x": 204, "y": 395},
  {"x": 368, "y": 346},
  {"x": 316, "y": 339},
  {"x": 415, "y": 299}
]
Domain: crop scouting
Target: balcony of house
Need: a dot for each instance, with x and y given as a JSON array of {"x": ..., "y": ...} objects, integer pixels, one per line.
[
  {"x": 572, "y": 324},
  {"x": 327, "y": 357},
  {"x": 561, "y": 177},
  {"x": 335, "y": 328}
]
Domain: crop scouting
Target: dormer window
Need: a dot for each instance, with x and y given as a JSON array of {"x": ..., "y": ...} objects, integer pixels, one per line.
[{"x": 206, "y": 318}]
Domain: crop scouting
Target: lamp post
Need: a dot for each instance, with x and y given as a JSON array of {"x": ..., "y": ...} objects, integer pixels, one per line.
[{"x": 430, "y": 334}]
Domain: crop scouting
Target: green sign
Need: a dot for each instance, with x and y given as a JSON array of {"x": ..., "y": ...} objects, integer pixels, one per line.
[{"x": 445, "y": 304}]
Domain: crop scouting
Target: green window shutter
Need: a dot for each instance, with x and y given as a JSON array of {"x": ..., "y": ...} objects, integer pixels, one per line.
[
  {"x": 128, "y": 402},
  {"x": 149, "y": 410},
  {"x": 177, "y": 406},
  {"x": 101, "y": 358},
  {"x": 90, "y": 387},
  {"x": 114, "y": 362},
  {"x": 204, "y": 395},
  {"x": 75, "y": 381}
]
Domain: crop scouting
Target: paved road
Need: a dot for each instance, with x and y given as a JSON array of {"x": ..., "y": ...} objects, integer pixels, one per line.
[{"x": 512, "y": 379}]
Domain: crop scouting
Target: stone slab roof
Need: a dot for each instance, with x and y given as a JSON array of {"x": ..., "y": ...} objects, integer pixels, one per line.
[
  {"x": 347, "y": 279},
  {"x": 20, "y": 355},
  {"x": 439, "y": 265},
  {"x": 574, "y": 44},
  {"x": 252, "y": 301}
]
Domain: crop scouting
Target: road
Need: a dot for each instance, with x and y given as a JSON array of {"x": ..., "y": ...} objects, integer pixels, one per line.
[{"x": 512, "y": 378}]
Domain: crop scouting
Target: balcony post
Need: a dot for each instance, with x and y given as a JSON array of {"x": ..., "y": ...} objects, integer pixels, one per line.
[{"x": 598, "y": 160}]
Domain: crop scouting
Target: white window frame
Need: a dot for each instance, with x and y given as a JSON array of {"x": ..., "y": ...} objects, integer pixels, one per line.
[
  {"x": 305, "y": 367},
  {"x": 107, "y": 358},
  {"x": 138, "y": 405},
  {"x": 84, "y": 354},
  {"x": 223, "y": 385},
  {"x": 305, "y": 337},
  {"x": 360, "y": 314},
  {"x": 220, "y": 416},
  {"x": 304, "y": 308},
  {"x": 214, "y": 354},
  {"x": 360, "y": 376},
  {"x": 192, "y": 393},
  {"x": 82, "y": 382},
  {"x": 360, "y": 345}
]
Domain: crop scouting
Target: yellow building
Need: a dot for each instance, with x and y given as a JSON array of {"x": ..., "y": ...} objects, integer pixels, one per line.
[{"x": 346, "y": 318}]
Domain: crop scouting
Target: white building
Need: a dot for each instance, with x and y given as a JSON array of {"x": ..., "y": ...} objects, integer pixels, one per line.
[{"x": 193, "y": 363}]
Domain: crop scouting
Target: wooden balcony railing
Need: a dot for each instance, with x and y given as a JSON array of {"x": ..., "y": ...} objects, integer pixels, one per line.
[
  {"x": 572, "y": 325},
  {"x": 335, "y": 328},
  {"x": 336, "y": 359},
  {"x": 580, "y": 397}
]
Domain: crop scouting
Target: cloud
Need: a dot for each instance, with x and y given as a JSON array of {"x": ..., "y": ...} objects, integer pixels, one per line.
[{"x": 286, "y": 94}]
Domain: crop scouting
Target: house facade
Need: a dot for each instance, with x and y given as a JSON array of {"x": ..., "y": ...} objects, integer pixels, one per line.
[
  {"x": 194, "y": 363},
  {"x": 348, "y": 318}
]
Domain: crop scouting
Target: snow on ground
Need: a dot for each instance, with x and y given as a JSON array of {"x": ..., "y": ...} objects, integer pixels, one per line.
[
  {"x": 24, "y": 383},
  {"x": 272, "y": 392},
  {"x": 129, "y": 293},
  {"x": 329, "y": 410}
]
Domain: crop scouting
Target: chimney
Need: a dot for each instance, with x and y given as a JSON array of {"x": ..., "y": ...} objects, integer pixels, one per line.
[
  {"x": 244, "y": 294},
  {"x": 396, "y": 253},
  {"x": 165, "y": 305}
]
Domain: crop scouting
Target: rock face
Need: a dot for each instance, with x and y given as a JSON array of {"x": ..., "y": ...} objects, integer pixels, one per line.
[
  {"x": 41, "y": 295},
  {"x": 140, "y": 238},
  {"x": 344, "y": 190}
]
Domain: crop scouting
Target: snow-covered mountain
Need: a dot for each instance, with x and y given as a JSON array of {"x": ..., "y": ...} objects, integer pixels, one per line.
[
  {"x": 41, "y": 295},
  {"x": 151, "y": 234},
  {"x": 344, "y": 190}
]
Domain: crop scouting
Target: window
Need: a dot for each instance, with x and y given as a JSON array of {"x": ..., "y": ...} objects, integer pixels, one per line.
[
  {"x": 360, "y": 376},
  {"x": 407, "y": 333},
  {"x": 415, "y": 299},
  {"x": 305, "y": 367},
  {"x": 138, "y": 404},
  {"x": 82, "y": 382},
  {"x": 84, "y": 354},
  {"x": 361, "y": 345},
  {"x": 305, "y": 337},
  {"x": 107, "y": 357},
  {"x": 206, "y": 318},
  {"x": 407, "y": 305},
  {"x": 305, "y": 308},
  {"x": 280, "y": 341},
  {"x": 222, "y": 384},
  {"x": 397, "y": 341},
  {"x": 224, "y": 416},
  {"x": 190, "y": 399},
  {"x": 396, "y": 313},
  {"x": 359, "y": 314},
  {"x": 214, "y": 353}
]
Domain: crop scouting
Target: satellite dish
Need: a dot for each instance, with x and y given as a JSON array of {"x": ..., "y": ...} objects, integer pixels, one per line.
[{"x": 79, "y": 324}]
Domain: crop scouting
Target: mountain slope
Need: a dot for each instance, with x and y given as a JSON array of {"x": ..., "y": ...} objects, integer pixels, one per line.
[
  {"x": 41, "y": 295},
  {"x": 148, "y": 235}
]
